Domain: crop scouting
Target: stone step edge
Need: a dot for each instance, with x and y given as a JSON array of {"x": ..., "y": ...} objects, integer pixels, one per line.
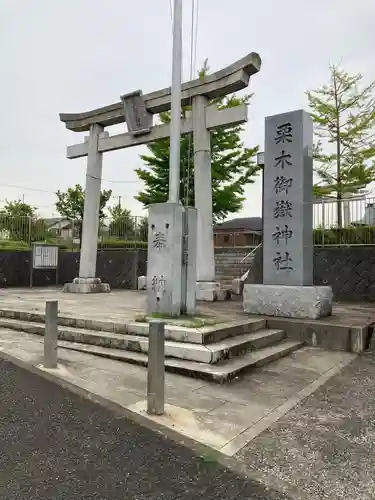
[
  {"x": 201, "y": 335},
  {"x": 213, "y": 353},
  {"x": 224, "y": 372}
]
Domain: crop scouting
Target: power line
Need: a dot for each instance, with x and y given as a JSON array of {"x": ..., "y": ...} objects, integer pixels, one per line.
[
  {"x": 26, "y": 188},
  {"x": 38, "y": 190},
  {"x": 196, "y": 35},
  {"x": 113, "y": 182},
  {"x": 193, "y": 55}
]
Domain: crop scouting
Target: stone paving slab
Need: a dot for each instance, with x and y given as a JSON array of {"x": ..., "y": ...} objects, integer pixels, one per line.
[
  {"x": 324, "y": 448},
  {"x": 219, "y": 416},
  {"x": 126, "y": 305}
]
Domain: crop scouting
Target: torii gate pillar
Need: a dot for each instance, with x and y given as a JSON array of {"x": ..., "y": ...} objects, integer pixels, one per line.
[
  {"x": 205, "y": 289},
  {"x": 87, "y": 282}
]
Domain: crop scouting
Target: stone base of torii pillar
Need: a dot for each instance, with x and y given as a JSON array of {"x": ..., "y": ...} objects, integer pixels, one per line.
[{"x": 87, "y": 285}]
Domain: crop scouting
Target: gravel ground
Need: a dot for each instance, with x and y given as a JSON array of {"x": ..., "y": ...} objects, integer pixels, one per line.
[
  {"x": 324, "y": 449},
  {"x": 55, "y": 444}
]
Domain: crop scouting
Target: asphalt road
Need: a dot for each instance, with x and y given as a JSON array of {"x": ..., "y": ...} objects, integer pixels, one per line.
[{"x": 56, "y": 444}]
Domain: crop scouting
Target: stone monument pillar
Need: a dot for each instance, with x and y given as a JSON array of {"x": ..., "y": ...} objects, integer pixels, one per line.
[
  {"x": 171, "y": 271},
  {"x": 87, "y": 282},
  {"x": 287, "y": 288}
]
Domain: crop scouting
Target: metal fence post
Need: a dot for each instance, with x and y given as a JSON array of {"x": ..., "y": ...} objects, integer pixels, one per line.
[
  {"x": 50, "y": 335},
  {"x": 155, "y": 370}
]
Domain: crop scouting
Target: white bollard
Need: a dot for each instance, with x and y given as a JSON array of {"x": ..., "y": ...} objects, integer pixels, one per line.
[
  {"x": 50, "y": 335},
  {"x": 155, "y": 369}
]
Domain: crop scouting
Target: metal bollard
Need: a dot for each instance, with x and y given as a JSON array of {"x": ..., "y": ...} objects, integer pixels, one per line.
[
  {"x": 50, "y": 335},
  {"x": 155, "y": 369}
]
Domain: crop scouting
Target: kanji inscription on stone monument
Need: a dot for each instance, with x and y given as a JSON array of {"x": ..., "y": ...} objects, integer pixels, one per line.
[{"x": 287, "y": 247}]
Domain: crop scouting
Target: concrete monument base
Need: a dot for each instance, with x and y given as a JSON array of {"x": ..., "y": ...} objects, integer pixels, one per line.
[
  {"x": 210, "y": 291},
  {"x": 87, "y": 285},
  {"x": 288, "y": 301},
  {"x": 142, "y": 282}
]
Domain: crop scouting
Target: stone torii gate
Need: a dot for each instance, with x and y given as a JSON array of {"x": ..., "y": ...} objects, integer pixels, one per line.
[{"x": 137, "y": 111}]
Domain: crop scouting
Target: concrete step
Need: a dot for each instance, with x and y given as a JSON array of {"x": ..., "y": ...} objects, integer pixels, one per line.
[
  {"x": 226, "y": 280},
  {"x": 233, "y": 265},
  {"x": 233, "y": 257},
  {"x": 209, "y": 353},
  {"x": 229, "y": 276},
  {"x": 219, "y": 373},
  {"x": 203, "y": 335},
  {"x": 233, "y": 262},
  {"x": 231, "y": 270},
  {"x": 34, "y": 323}
]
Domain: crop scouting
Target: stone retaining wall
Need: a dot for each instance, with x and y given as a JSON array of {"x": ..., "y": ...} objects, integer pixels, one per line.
[
  {"x": 119, "y": 268},
  {"x": 349, "y": 270}
]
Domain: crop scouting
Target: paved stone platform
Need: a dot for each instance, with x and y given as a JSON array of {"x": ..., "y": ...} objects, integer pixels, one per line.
[
  {"x": 222, "y": 417},
  {"x": 126, "y": 305}
]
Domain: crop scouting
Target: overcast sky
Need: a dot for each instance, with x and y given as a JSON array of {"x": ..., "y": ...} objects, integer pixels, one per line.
[{"x": 76, "y": 55}]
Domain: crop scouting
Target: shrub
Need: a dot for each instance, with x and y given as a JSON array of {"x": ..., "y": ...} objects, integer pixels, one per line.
[
  {"x": 353, "y": 235},
  {"x": 22, "y": 245},
  {"x": 113, "y": 244}
]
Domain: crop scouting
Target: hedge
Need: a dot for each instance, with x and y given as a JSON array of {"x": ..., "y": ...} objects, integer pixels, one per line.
[
  {"x": 22, "y": 245},
  {"x": 354, "y": 235},
  {"x": 121, "y": 244}
]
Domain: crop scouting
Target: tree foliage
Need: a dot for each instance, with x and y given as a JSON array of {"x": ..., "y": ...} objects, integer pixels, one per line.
[
  {"x": 344, "y": 119},
  {"x": 233, "y": 166},
  {"x": 70, "y": 204},
  {"x": 20, "y": 222},
  {"x": 18, "y": 208},
  {"x": 125, "y": 226},
  {"x": 122, "y": 223}
]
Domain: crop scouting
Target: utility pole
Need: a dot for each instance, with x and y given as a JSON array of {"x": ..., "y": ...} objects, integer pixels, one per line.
[
  {"x": 119, "y": 200},
  {"x": 174, "y": 157}
]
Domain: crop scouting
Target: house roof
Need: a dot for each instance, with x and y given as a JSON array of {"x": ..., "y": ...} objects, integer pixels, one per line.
[
  {"x": 51, "y": 221},
  {"x": 249, "y": 223}
]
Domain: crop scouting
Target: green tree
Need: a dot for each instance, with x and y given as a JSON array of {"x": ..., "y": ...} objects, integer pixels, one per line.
[
  {"x": 122, "y": 223},
  {"x": 232, "y": 165},
  {"x": 18, "y": 208},
  {"x": 70, "y": 204},
  {"x": 344, "y": 118},
  {"x": 142, "y": 228},
  {"x": 19, "y": 221}
]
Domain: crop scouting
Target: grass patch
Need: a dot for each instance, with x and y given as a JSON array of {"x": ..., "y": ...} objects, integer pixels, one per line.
[
  {"x": 210, "y": 457},
  {"x": 184, "y": 320}
]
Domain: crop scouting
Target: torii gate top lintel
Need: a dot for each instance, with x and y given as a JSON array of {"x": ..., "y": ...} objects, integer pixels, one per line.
[{"x": 230, "y": 79}]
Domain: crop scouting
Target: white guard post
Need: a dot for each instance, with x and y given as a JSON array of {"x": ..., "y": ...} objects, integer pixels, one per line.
[{"x": 137, "y": 111}]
